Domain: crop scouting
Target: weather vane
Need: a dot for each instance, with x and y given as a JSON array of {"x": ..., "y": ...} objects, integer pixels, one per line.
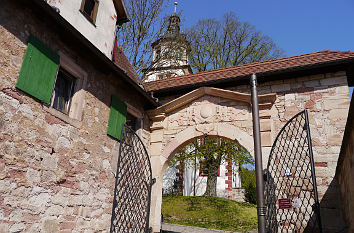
[{"x": 176, "y": 3}]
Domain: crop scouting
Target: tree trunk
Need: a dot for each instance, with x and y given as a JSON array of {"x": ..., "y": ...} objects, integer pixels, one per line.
[{"x": 211, "y": 182}]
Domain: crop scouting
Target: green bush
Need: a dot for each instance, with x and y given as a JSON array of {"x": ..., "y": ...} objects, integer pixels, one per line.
[{"x": 249, "y": 183}]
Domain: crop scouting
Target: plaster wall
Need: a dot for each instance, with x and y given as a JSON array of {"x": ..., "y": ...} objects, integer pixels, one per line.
[{"x": 101, "y": 34}]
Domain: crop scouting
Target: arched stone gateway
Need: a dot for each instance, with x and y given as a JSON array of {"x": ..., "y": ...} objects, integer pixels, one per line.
[
  {"x": 204, "y": 111},
  {"x": 190, "y": 109}
]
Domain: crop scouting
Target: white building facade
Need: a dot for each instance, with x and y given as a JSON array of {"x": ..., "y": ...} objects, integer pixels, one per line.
[
  {"x": 95, "y": 20},
  {"x": 193, "y": 181}
]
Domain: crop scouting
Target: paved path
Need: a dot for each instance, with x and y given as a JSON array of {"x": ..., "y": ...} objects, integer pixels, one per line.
[{"x": 173, "y": 228}]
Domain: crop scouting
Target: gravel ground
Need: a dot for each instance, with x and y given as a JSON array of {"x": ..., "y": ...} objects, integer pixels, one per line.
[{"x": 173, "y": 228}]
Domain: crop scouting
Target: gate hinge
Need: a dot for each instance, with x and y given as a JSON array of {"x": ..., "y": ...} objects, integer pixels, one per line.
[{"x": 153, "y": 181}]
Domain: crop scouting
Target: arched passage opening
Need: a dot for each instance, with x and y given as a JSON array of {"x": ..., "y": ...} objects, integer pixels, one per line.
[
  {"x": 222, "y": 130},
  {"x": 209, "y": 165}
]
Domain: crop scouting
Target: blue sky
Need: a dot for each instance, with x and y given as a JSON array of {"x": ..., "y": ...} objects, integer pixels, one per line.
[{"x": 296, "y": 26}]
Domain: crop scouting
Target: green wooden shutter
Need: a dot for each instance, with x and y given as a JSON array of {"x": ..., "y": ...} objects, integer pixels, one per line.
[
  {"x": 117, "y": 117},
  {"x": 38, "y": 71}
]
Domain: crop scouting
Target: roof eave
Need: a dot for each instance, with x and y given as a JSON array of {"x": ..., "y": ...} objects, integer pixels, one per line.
[{"x": 261, "y": 75}]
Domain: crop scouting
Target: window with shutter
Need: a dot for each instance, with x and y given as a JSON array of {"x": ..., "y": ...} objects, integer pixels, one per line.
[
  {"x": 61, "y": 86},
  {"x": 38, "y": 71},
  {"x": 117, "y": 116}
]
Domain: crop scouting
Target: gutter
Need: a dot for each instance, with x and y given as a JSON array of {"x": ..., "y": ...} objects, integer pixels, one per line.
[{"x": 66, "y": 26}]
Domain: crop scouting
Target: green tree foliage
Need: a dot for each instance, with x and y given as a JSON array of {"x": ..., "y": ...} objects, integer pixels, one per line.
[
  {"x": 211, "y": 152},
  {"x": 249, "y": 183},
  {"x": 229, "y": 42}
]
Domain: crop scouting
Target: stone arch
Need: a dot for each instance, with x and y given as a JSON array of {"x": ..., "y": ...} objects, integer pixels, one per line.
[
  {"x": 204, "y": 111},
  {"x": 192, "y": 132}
]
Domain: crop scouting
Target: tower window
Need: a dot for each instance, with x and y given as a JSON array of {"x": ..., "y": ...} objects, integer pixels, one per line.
[{"x": 158, "y": 54}]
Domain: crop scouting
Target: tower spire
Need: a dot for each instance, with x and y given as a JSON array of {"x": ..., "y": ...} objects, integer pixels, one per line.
[{"x": 176, "y": 3}]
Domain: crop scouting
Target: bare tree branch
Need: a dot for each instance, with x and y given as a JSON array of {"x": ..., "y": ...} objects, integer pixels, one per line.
[{"x": 217, "y": 44}]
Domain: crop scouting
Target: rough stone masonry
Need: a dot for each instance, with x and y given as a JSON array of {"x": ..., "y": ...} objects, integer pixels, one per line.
[
  {"x": 55, "y": 176},
  {"x": 58, "y": 176}
]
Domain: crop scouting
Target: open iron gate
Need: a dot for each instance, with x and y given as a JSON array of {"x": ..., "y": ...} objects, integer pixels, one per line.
[
  {"x": 132, "y": 193},
  {"x": 290, "y": 181}
]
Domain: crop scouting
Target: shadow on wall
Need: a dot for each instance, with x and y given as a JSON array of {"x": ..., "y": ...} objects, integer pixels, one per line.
[{"x": 331, "y": 212}]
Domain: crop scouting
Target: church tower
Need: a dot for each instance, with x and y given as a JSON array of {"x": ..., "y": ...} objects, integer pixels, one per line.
[{"x": 170, "y": 53}]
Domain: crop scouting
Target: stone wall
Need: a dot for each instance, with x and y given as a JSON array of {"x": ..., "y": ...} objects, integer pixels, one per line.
[
  {"x": 54, "y": 176},
  {"x": 345, "y": 171},
  {"x": 326, "y": 96}
]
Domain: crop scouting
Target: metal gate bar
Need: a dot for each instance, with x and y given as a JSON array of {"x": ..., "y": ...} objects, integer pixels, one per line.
[
  {"x": 132, "y": 192},
  {"x": 290, "y": 180}
]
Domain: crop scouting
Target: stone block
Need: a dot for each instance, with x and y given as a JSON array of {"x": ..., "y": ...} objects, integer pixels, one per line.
[
  {"x": 280, "y": 87},
  {"x": 329, "y": 104},
  {"x": 50, "y": 226},
  {"x": 334, "y": 81},
  {"x": 156, "y": 136},
  {"x": 342, "y": 90},
  {"x": 4, "y": 228},
  {"x": 312, "y": 83},
  {"x": 264, "y": 114},
  {"x": 17, "y": 227},
  {"x": 338, "y": 114},
  {"x": 266, "y": 139},
  {"x": 55, "y": 210},
  {"x": 67, "y": 225},
  {"x": 335, "y": 139},
  {"x": 265, "y": 125},
  {"x": 290, "y": 112},
  {"x": 155, "y": 148},
  {"x": 186, "y": 134}
]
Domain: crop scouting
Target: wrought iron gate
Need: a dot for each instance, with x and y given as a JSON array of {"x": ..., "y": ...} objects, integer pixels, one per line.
[
  {"x": 132, "y": 193},
  {"x": 290, "y": 181}
]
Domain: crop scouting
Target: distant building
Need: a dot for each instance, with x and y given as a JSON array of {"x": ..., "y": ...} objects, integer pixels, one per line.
[
  {"x": 170, "y": 53},
  {"x": 193, "y": 181}
]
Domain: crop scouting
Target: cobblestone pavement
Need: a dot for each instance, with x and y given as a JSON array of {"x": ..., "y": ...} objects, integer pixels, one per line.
[{"x": 173, "y": 228}]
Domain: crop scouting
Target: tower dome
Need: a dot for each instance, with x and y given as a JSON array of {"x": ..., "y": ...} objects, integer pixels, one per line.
[{"x": 170, "y": 53}]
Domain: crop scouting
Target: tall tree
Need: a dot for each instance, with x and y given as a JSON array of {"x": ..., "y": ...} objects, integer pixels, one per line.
[
  {"x": 229, "y": 42},
  {"x": 146, "y": 26}
]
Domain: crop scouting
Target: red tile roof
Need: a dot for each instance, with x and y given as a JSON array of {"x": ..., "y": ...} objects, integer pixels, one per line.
[
  {"x": 316, "y": 58},
  {"x": 122, "y": 61}
]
